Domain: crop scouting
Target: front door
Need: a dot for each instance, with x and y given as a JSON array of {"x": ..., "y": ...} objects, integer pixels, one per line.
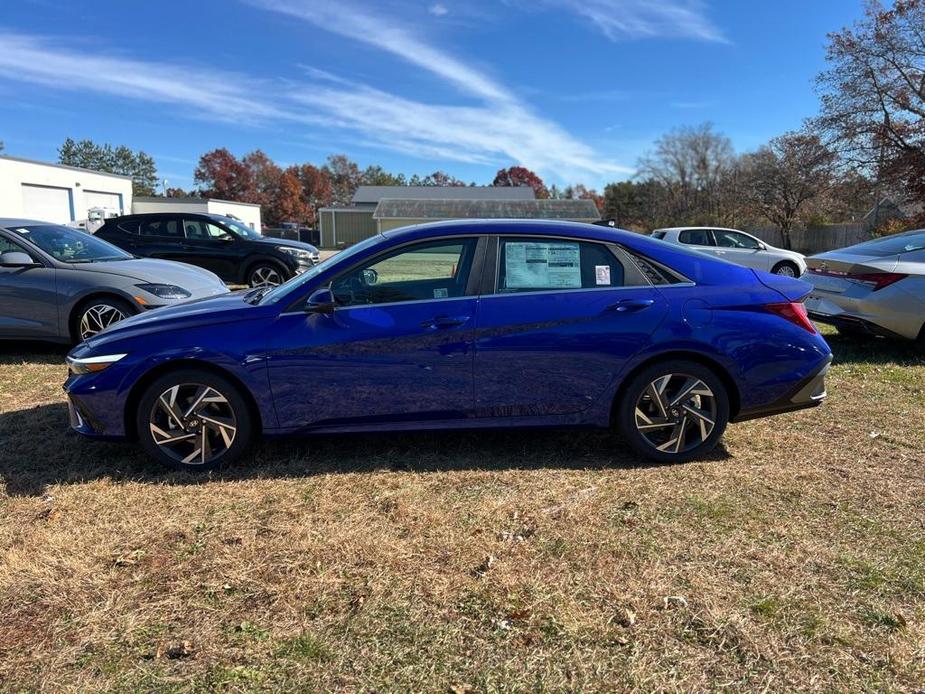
[
  {"x": 564, "y": 317},
  {"x": 212, "y": 247},
  {"x": 28, "y": 297},
  {"x": 398, "y": 346},
  {"x": 740, "y": 249}
]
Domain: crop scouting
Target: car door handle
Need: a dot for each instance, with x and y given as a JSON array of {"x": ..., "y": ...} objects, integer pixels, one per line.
[
  {"x": 439, "y": 322},
  {"x": 187, "y": 247},
  {"x": 630, "y": 305}
]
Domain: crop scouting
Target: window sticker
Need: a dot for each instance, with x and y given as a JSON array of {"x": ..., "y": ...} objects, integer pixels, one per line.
[
  {"x": 441, "y": 293},
  {"x": 536, "y": 265},
  {"x": 602, "y": 274}
]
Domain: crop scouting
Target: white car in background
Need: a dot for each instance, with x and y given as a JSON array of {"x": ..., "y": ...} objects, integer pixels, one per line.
[{"x": 736, "y": 247}]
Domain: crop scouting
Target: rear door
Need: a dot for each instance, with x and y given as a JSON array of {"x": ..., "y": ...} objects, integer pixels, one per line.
[
  {"x": 557, "y": 325},
  {"x": 162, "y": 237},
  {"x": 28, "y": 296}
]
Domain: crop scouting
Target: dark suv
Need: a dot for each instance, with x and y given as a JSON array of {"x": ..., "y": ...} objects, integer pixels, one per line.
[{"x": 227, "y": 247}]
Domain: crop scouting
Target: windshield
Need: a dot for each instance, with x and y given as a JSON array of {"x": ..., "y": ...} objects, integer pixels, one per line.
[
  {"x": 893, "y": 245},
  {"x": 239, "y": 228},
  {"x": 70, "y": 245},
  {"x": 277, "y": 293}
]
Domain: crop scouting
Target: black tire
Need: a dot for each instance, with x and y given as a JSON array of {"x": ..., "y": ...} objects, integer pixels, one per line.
[
  {"x": 188, "y": 381},
  {"x": 636, "y": 391},
  {"x": 93, "y": 313},
  {"x": 257, "y": 273},
  {"x": 782, "y": 269}
]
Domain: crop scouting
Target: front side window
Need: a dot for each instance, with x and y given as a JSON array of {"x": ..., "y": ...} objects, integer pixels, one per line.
[
  {"x": 431, "y": 270},
  {"x": 7, "y": 246},
  {"x": 70, "y": 245},
  {"x": 240, "y": 228},
  {"x": 733, "y": 239},
  {"x": 695, "y": 237},
  {"x": 203, "y": 231},
  {"x": 538, "y": 264}
]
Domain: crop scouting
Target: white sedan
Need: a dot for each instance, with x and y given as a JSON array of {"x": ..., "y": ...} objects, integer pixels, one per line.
[{"x": 736, "y": 247}]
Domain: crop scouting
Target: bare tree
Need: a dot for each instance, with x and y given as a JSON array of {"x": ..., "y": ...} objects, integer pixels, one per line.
[
  {"x": 691, "y": 163},
  {"x": 873, "y": 95},
  {"x": 782, "y": 176}
]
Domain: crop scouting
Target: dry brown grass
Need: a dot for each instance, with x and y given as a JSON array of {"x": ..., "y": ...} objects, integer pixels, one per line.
[{"x": 792, "y": 559}]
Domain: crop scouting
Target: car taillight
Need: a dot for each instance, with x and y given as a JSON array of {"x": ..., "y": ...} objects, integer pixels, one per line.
[
  {"x": 793, "y": 311},
  {"x": 874, "y": 280}
]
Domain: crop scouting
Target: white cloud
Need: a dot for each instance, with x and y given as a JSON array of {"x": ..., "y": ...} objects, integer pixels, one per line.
[
  {"x": 639, "y": 19},
  {"x": 438, "y": 9}
]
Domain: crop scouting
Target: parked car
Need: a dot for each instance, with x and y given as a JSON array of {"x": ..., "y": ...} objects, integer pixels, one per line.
[
  {"x": 875, "y": 288},
  {"x": 737, "y": 247},
  {"x": 226, "y": 246},
  {"x": 462, "y": 325},
  {"x": 64, "y": 285}
]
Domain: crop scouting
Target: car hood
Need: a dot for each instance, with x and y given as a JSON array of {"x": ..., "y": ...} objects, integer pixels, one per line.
[
  {"x": 288, "y": 243},
  {"x": 153, "y": 270},
  {"x": 198, "y": 313}
]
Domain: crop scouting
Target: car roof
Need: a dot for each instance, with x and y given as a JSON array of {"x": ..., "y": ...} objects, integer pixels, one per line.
[
  {"x": 500, "y": 227},
  {"x": 10, "y": 222},
  {"x": 700, "y": 228}
]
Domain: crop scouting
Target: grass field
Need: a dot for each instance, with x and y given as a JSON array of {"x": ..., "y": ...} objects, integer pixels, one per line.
[{"x": 793, "y": 558}]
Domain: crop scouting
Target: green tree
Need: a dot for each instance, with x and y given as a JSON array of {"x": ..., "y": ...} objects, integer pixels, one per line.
[{"x": 118, "y": 160}]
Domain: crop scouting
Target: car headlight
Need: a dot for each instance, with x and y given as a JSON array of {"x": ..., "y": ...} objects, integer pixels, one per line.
[
  {"x": 87, "y": 365},
  {"x": 297, "y": 253},
  {"x": 165, "y": 291}
]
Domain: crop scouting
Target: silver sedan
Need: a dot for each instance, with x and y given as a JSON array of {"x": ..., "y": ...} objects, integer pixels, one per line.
[
  {"x": 64, "y": 285},
  {"x": 876, "y": 287}
]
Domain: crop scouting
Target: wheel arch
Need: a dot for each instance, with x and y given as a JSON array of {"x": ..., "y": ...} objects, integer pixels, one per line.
[
  {"x": 88, "y": 298},
  {"x": 721, "y": 372},
  {"x": 787, "y": 261},
  {"x": 139, "y": 387}
]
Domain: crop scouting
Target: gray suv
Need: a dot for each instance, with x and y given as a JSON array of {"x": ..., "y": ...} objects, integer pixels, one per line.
[{"x": 64, "y": 285}]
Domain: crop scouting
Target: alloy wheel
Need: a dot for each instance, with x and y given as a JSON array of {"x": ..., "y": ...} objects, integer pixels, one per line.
[
  {"x": 193, "y": 423},
  {"x": 98, "y": 318},
  {"x": 786, "y": 271},
  {"x": 676, "y": 413},
  {"x": 266, "y": 276}
]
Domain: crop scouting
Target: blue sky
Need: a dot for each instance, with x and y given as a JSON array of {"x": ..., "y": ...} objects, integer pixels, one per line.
[{"x": 575, "y": 89}]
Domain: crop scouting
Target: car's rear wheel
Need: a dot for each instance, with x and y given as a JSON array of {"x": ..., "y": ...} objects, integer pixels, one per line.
[
  {"x": 266, "y": 275},
  {"x": 194, "y": 420},
  {"x": 673, "y": 412},
  {"x": 98, "y": 314},
  {"x": 786, "y": 269}
]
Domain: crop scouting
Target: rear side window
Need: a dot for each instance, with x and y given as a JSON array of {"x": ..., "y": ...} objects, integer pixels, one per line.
[
  {"x": 161, "y": 227},
  {"x": 658, "y": 234},
  {"x": 537, "y": 264},
  {"x": 695, "y": 237},
  {"x": 655, "y": 272}
]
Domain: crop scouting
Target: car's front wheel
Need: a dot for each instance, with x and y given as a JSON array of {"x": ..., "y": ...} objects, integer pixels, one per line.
[
  {"x": 194, "y": 420},
  {"x": 786, "y": 269},
  {"x": 98, "y": 314},
  {"x": 266, "y": 275},
  {"x": 674, "y": 411}
]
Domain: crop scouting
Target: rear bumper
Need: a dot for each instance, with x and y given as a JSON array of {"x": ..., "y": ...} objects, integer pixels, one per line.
[
  {"x": 810, "y": 392},
  {"x": 854, "y": 323}
]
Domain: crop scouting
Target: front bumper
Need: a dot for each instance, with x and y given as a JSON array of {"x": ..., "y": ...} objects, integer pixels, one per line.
[{"x": 809, "y": 392}]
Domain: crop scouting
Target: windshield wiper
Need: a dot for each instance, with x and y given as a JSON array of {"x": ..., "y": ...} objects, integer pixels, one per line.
[{"x": 255, "y": 295}]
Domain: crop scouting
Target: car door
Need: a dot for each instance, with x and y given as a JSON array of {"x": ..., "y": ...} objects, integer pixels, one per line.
[
  {"x": 161, "y": 237},
  {"x": 740, "y": 249},
  {"x": 699, "y": 239},
  {"x": 212, "y": 247},
  {"x": 28, "y": 296},
  {"x": 398, "y": 346},
  {"x": 557, "y": 325}
]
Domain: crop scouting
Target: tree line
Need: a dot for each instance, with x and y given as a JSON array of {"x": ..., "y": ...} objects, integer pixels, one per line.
[{"x": 867, "y": 142}]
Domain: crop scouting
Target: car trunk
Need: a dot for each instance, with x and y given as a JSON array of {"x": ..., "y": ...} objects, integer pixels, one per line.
[
  {"x": 830, "y": 272},
  {"x": 790, "y": 288}
]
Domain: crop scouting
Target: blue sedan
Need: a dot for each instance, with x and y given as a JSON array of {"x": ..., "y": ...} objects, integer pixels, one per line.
[{"x": 462, "y": 325}]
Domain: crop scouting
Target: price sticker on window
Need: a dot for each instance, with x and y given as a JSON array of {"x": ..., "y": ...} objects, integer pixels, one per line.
[{"x": 602, "y": 275}]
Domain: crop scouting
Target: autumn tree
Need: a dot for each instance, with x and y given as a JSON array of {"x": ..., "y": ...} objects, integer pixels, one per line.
[
  {"x": 220, "y": 174},
  {"x": 375, "y": 175},
  {"x": 873, "y": 94},
  {"x": 287, "y": 202},
  {"x": 118, "y": 160},
  {"x": 782, "y": 176},
  {"x": 316, "y": 189},
  {"x": 521, "y": 176},
  {"x": 345, "y": 178}
]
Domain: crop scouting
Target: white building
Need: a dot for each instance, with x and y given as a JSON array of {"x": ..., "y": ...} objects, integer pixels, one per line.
[
  {"x": 245, "y": 211},
  {"x": 58, "y": 193}
]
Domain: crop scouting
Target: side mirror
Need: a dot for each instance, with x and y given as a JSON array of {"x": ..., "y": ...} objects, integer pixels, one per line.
[
  {"x": 16, "y": 259},
  {"x": 321, "y": 301}
]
